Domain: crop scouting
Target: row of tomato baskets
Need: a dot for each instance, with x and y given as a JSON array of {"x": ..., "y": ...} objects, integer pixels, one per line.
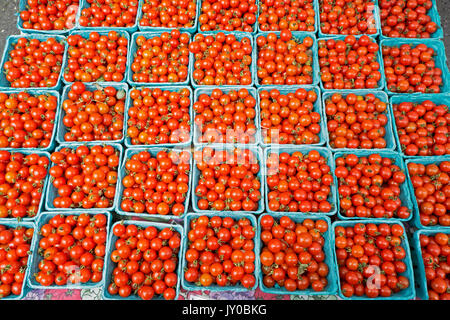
[
  {"x": 226, "y": 59},
  {"x": 378, "y": 18},
  {"x": 280, "y": 253}
]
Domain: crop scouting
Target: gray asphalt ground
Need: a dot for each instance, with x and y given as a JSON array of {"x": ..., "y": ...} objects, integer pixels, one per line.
[{"x": 9, "y": 9}]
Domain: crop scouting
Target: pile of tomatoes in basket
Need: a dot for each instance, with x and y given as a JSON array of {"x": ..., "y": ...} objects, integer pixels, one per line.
[
  {"x": 93, "y": 114},
  {"x": 145, "y": 262},
  {"x": 236, "y": 110},
  {"x": 220, "y": 252},
  {"x": 96, "y": 57},
  {"x": 423, "y": 128},
  {"x": 371, "y": 259},
  {"x": 84, "y": 176},
  {"x": 349, "y": 63},
  {"x": 431, "y": 187},
  {"x": 371, "y": 186},
  {"x": 410, "y": 69},
  {"x": 292, "y": 256},
  {"x": 15, "y": 246},
  {"x": 161, "y": 58},
  {"x": 284, "y": 59},
  {"x": 158, "y": 116},
  {"x": 289, "y": 118},
  {"x": 435, "y": 250},
  {"x": 228, "y": 179},
  {"x": 27, "y": 120},
  {"x": 156, "y": 184},
  {"x": 22, "y": 178},
  {"x": 71, "y": 249},
  {"x": 356, "y": 121},
  {"x": 34, "y": 63},
  {"x": 298, "y": 182},
  {"x": 222, "y": 59}
]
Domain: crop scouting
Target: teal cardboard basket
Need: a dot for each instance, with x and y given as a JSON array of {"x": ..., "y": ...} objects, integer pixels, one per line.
[
  {"x": 36, "y": 92},
  {"x": 332, "y": 287},
  {"x": 123, "y": 172},
  {"x": 132, "y": 54},
  {"x": 440, "y": 60},
  {"x": 296, "y": 36},
  {"x": 405, "y": 196},
  {"x": 62, "y": 129},
  {"x": 236, "y": 215},
  {"x": 110, "y": 265},
  {"x": 324, "y": 152},
  {"x": 25, "y": 287},
  {"x": 389, "y": 136},
  {"x": 424, "y": 160},
  {"x": 437, "y": 98},
  {"x": 379, "y": 56},
  {"x": 52, "y": 193},
  {"x": 323, "y": 136},
  {"x": 316, "y": 19},
  {"x": 103, "y": 32},
  {"x": 44, "y": 186},
  {"x": 85, "y": 4},
  {"x": 376, "y": 16},
  {"x": 74, "y": 9},
  {"x": 255, "y": 26},
  {"x": 434, "y": 15},
  {"x": 417, "y": 259},
  {"x": 239, "y": 36},
  {"x": 129, "y": 104},
  {"x": 191, "y": 30},
  {"x": 406, "y": 294},
  {"x": 208, "y": 90},
  {"x": 9, "y": 46},
  {"x": 36, "y": 257},
  {"x": 196, "y": 176}
]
